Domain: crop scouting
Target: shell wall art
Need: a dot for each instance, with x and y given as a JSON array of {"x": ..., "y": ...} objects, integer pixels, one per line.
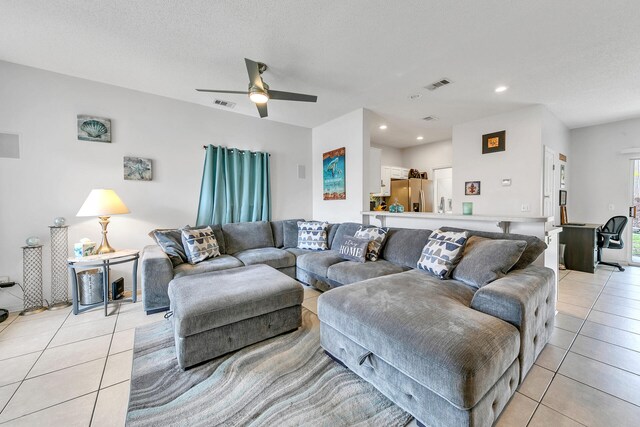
[{"x": 94, "y": 129}]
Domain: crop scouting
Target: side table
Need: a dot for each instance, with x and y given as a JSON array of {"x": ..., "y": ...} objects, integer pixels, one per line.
[{"x": 103, "y": 261}]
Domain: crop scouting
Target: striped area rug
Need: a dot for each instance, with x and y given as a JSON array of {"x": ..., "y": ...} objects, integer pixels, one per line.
[{"x": 285, "y": 381}]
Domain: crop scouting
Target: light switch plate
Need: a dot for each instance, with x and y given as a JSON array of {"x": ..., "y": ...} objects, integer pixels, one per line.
[{"x": 506, "y": 182}]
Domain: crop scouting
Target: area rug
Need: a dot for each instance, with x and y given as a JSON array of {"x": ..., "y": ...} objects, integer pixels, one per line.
[{"x": 285, "y": 381}]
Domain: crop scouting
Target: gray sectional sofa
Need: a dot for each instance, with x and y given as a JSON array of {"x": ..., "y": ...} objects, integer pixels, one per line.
[{"x": 447, "y": 353}]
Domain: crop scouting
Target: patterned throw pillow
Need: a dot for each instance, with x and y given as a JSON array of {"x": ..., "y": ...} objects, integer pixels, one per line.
[
  {"x": 442, "y": 252},
  {"x": 312, "y": 235},
  {"x": 375, "y": 236},
  {"x": 200, "y": 244},
  {"x": 354, "y": 249}
]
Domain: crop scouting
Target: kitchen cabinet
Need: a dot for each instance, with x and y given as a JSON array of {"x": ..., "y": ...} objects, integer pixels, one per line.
[
  {"x": 385, "y": 181},
  {"x": 404, "y": 173}
]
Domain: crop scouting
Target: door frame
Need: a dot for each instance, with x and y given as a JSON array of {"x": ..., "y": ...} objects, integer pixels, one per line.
[
  {"x": 553, "y": 183},
  {"x": 630, "y": 222}
]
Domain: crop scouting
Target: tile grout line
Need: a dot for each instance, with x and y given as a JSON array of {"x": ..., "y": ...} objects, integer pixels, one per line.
[
  {"x": 104, "y": 369},
  {"x": 555, "y": 372},
  {"x": 48, "y": 407},
  {"x": 34, "y": 363}
]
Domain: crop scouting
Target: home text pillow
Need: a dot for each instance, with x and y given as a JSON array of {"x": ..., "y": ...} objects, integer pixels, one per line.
[
  {"x": 442, "y": 252},
  {"x": 354, "y": 249},
  {"x": 170, "y": 241},
  {"x": 200, "y": 244},
  {"x": 485, "y": 260},
  {"x": 312, "y": 235},
  {"x": 376, "y": 237}
]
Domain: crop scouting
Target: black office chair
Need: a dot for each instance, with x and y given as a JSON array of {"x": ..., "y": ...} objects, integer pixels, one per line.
[{"x": 610, "y": 237}]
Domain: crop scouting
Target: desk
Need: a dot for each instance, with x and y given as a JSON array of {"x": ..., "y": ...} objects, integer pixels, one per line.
[
  {"x": 103, "y": 261},
  {"x": 581, "y": 250}
]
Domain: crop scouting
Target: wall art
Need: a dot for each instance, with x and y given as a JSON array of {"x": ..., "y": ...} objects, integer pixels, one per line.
[
  {"x": 334, "y": 174},
  {"x": 472, "y": 188},
  {"x": 494, "y": 142},
  {"x": 137, "y": 169},
  {"x": 96, "y": 129}
]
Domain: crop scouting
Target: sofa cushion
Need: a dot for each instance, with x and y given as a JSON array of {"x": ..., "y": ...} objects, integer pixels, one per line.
[
  {"x": 312, "y": 235},
  {"x": 354, "y": 249},
  {"x": 351, "y": 272},
  {"x": 534, "y": 248},
  {"x": 485, "y": 260},
  {"x": 442, "y": 252},
  {"x": 222, "y": 262},
  {"x": 319, "y": 262},
  {"x": 241, "y": 236},
  {"x": 376, "y": 236},
  {"x": 403, "y": 246},
  {"x": 170, "y": 241},
  {"x": 424, "y": 327},
  {"x": 297, "y": 251},
  {"x": 273, "y": 257},
  {"x": 200, "y": 244}
]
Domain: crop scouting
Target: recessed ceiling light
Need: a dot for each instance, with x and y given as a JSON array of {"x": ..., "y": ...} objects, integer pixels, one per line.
[
  {"x": 420, "y": 138},
  {"x": 415, "y": 96},
  {"x": 383, "y": 127},
  {"x": 501, "y": 89}
]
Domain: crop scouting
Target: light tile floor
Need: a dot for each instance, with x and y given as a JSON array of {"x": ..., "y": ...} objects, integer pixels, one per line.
[{"x": 66, "y": 370}]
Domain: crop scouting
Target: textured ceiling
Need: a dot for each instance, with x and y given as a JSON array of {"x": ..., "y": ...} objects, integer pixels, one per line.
[{"x": 580, "y": 58}]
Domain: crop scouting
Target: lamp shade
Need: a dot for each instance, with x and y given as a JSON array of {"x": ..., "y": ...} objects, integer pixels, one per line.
[{"x": 102, "y": 202}]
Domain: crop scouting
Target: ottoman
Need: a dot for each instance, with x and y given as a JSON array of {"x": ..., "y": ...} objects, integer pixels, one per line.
[{"x": 219, "y": 312}]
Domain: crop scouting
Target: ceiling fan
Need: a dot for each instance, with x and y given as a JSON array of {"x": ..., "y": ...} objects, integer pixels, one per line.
[{"x": 259, "y": 91}]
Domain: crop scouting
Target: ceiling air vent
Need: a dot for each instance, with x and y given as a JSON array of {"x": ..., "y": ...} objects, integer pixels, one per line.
[
  {"x": 430, "y": 118},
  {"x": 227, "y": 104},
  {"x": 438, "y": 84}
]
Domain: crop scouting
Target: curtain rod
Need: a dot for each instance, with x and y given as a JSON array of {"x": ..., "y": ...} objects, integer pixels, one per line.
[{"x": 242, "y": 151}]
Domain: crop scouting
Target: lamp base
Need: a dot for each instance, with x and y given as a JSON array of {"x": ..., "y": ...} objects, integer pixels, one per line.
[{"x": 105, "y": 247}]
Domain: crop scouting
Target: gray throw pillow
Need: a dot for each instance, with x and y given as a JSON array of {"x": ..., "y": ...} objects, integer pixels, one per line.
[
  {"x": 533, "y": 250},
  {"x": 485, "y": 260},
  {"x": 354, "y": 249},
  {"x": 170, "y": 241},
  {"x": 200, "y": 244}
]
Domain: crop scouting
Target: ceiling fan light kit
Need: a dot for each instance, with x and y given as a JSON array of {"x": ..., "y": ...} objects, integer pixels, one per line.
[{"x": 259, "y": 92}]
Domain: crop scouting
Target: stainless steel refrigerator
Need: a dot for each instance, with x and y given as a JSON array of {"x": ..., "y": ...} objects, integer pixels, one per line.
[{"x": 416, "y": 195}]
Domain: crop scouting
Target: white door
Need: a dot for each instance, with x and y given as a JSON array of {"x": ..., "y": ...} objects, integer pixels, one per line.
[
  {"x": 548, "y": 182},
  {"x": 443, "y": 189},
  {"x": 634, "y": 214}
]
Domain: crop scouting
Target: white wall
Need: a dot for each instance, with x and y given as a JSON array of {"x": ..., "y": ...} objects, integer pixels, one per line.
[
  {"x": 601, "y": 175},
  {"x": 521, "y": 162},
  {"x": 349, "y": 131},
  {"x": 427, "y": 157},
  {"x": 390, "y": 156},
  {"x": 56, "y": 171},
  {"x": 556, "y": 136}
]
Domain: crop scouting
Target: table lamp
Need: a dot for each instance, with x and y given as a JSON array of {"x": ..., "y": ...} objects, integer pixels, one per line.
[{"x": 103, "y": 203}]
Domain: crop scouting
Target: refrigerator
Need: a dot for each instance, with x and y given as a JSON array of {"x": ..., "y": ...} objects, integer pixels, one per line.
[{"x": 416, "y": 195}]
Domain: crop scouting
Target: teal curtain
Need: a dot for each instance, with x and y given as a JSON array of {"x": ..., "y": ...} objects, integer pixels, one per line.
[{"x": 235, "y": 187}]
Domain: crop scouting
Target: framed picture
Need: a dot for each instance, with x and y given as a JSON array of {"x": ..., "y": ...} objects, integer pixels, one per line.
[
  {"x": 333, "y": 175},
  {"x": 472, "y": 188},
  {"x": 96, "y": 129},
  {"x": 137, "y": 169},
  {"x": 494, "y": 142},
  {"x": 563, "y": 198},
  {"x": 563, "y": 176}
]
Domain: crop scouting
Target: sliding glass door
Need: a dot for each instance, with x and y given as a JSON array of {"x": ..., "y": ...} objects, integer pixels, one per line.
[{"x": 635, "y": 222}]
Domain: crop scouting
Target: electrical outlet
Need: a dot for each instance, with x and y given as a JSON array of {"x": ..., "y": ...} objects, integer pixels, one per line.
[
  {"x": 4, "y": 279},
  {"x": 525, "y": 207}
]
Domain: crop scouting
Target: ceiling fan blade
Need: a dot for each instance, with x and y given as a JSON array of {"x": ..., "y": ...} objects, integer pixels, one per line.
[
  {"x": 262, "y": 109},
  {"x": 222, "y": 91},
  {"x": 290, "y": 96},
  {"x": 254, "y": 73}
]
